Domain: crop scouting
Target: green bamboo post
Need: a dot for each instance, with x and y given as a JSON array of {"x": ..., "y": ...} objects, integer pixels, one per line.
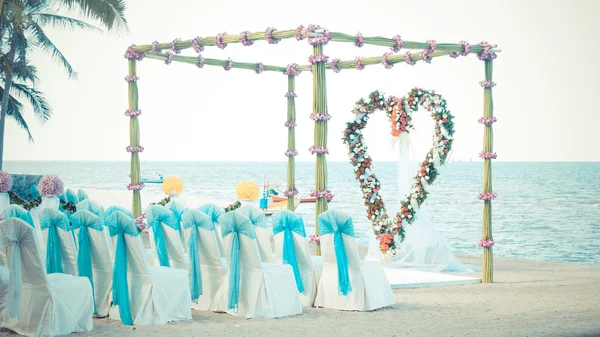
[
  {"x": 488, "y": 138},
  {"x": 134, "y": 140},
  {"x": 320, "y": 135},
  {"x": 291, "y": 118}
]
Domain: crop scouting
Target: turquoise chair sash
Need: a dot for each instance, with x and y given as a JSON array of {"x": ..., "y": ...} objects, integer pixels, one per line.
[
  {"x": 177, "y": 208},
  {"x": 287, "y": 221},
  {"x": 83, "y": 220},
  {"x": 52, "y": 220},
  {"x": 233, "y": 223},
  {"x": 256, "y": 216},
  {"x": 156, "y": 215},
  {"x": 16, "y": 211},
  {"x": 338, "y": 223},
  {"x": 82, "y": 195},
  {"x": 119, "y": 225},
  {"x": 35, "y": 192},
  {"x": 71, "y": 196},
  {"x": 213, "y": 211},
  {"x": 194, "y": 219},
  {"x": 93, "y": 207},
  {"x": 113, "y": 209}
]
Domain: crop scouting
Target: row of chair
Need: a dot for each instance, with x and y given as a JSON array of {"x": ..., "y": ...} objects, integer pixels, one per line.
[{"x": 189, "y": 245}]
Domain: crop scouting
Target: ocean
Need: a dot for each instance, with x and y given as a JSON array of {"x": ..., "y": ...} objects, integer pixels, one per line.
[{"x": 544, "y": 211}]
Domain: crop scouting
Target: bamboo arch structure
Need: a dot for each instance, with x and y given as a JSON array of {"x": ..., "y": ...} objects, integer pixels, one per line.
[{"x": 317, "y": 38}]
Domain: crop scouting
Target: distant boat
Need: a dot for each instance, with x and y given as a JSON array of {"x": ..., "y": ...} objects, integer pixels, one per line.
[
  {"x": 280, "y": 205},
  {"x": 156, "y": 176}
]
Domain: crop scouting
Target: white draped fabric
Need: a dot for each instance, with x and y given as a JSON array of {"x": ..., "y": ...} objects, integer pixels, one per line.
[
  {"x": 424, "y": 248},
  {"x": 40, "y": 304}
]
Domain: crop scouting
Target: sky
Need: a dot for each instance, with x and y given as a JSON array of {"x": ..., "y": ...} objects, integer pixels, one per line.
[{"x": 545, "y": 99}]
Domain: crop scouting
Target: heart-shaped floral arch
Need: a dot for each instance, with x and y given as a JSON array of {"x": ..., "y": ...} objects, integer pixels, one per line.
[{"x": 399, "y": 111}]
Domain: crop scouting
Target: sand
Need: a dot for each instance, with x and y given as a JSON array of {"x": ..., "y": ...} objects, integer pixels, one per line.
[{"x": 528, "y": 298}]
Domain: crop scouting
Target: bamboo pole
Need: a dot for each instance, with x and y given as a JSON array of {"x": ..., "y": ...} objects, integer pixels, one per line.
[
  {"x": 488, "y": 138},
  {"x": 346, "y": 64},
  {"x": 320, "y": 135},
  {"x": 134, "y": 140},
  {"x": 291, "y": 117},
  {"x": 291, "y": 33}
]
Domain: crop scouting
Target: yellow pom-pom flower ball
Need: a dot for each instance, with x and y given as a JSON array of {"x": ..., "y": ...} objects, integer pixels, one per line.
[
  {"x": 172, "y": 185},
  {"x": 248, "y": 190}
]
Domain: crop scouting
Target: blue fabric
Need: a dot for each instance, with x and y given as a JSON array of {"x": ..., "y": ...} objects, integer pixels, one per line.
[
  {"x": 233, "y": 223},
  {"x": 82, "y": 195},
  {"x": 287, "y": 221},
  {"x": 177, "y": 208},
  {"x": 119, "y": 225},
  {"x": 93, "y": 207},
  {"x": 113, "y": 209},
  {"x": 213, "y": 211},
  {"x": 35, "y": 192},
  {"x": 52, "y": 220},
  {"x": 71, "y": 196},
  {"x": 156, "y": 215},
  {"x": 16, "y": 211},
  {"x": 256, "y": 216},
  {"x": 83, "y": 220},
  {"x": 338, "y": 223},
  {"x": 194, "y": 219}
]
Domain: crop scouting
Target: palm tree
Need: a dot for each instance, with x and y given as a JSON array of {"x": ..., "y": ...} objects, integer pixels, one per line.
[
  {"x": 22, "y": 87},
  {"x": 22, "y": 24}
]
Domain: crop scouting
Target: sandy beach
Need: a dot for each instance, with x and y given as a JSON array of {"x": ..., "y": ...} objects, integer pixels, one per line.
[{"x": 529, "y": 298}]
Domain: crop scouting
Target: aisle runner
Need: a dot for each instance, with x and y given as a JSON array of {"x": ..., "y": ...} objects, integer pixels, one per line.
[{"x": 406, "y": 278}]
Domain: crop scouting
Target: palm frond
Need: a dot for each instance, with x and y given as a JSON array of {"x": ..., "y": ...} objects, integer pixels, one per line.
[
  {"x": 41, "y": 107},
  {"x": 25, "y": 71},
  {"x": 14, "y": 111},
  {"x": 110, "y": 13},
  {"x": 42, "y": 41},
  {"x": 59, "y": 21}
]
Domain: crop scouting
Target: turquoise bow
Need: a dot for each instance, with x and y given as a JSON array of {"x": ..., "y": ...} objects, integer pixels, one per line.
[
  {"x": 194, "y": 219},
  {"x": 233, "y": 223},
  {"x": 287, "y": 221},
  {"x": 213, "y": 211},
  {"x": 82, "y": 195},
  {"x": 336, "y": 222},
  {"x": 71, "y": 196},
  {"x": 94, "y": 208},
  {"x": 119, "y": 225},
  {"x": 84, "y": 220},
  {"x": 256, "y": 216},
  {"x": 16, "y": 211},
  {"x": 156, "y": 216},
  {"x": 113, "y": 209},
  {"x": 52, "y": 219}
]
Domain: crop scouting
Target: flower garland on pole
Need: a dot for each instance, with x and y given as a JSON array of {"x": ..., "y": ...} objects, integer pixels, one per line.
[{"x": 399, "y": 111}]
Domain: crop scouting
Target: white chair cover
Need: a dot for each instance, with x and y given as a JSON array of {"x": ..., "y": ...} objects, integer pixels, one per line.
[
  {"x": 366, "y": 287},
  {"x": 288, "y": 228},
  {"x": 164, "y": 237},
  {"x": 40, "y": 304},
  {"x": 215, "y": 212},
  {"x": 177, "y": 207},
  {"x": 94, "y": 257},
  {"x": 98, "y": 210},
  {"x": 61, "y": 254},
  {"x": 156, "y": 295},
  {"x": 207, "y": 271},
  {"x": 14, "y": 211},
  {"x": 48, "y": 201},
  {"x": 252, "y": 288},
  {"x": 259, "y": 221}
]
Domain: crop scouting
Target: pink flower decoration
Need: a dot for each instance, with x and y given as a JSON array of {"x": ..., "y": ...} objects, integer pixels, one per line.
[
  {"x": 320, "y": 116},
  {"x": 174, "y": 46},
  {"x": 6, "y": 182},
  {"x": 140, "y": 223},
  {"x": 487, "y": 155},
  {"x": 290, "y": 94},
  {"x": 291, "y": 70},
  {"x": 298, "y": 33},
  {"x": 487, "y": 121},
  {"x": 291, "y": 153},
  {"x": 408, "y": 59},
  {"x": 219, "y": 41},
  {"x": 360, "y": 40},
  {"x": 1, "y": 216},
  {"x": 289, "y": 193},
  {"x": 133, "y": 113},
  {"x": 290, "y": 124},
  {"x": 133, "y": 55},
  {"x": 487, "y": 196},
  {"x": 196, "y": 44},
  {"x": 136, "y": 187},
  {"x": 318, "y": 149},
  {"x": 269, "y": 36},
  {"x": 131, "y": 78},
  {"x": 334, "y": 65},
  {"x": 244, "y": 39},
  {"x": 321, "y": 193},
  {"x": 398, "y": 45},
  {"x": 51, "y": 185},
  {"x": 487, "y": 84},
  {"x": 313, "y": 238},
  {"x": 485, "y": 243},
  {"x": 135, "y": 149}
]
